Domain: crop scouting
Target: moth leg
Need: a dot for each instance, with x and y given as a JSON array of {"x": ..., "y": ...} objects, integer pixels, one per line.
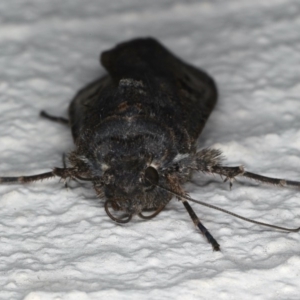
[
  {"x": 63, "y": 173},
  {"x": 157, "y": 211},
  {"x": 197, "y": 222},
  {"x": 228, "y": 172},
  {"x": 271, "y": 180},
  {"x": 231, "y": 172},
  {"x": 65, "y": 166},
  {"x": 60, "y": 120}
]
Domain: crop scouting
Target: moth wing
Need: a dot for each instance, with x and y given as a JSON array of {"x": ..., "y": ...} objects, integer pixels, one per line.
[
  {"x": 198, "y": 96},
  {"x": 82, "y": 106},
  {"x": 190, "y": 89}
]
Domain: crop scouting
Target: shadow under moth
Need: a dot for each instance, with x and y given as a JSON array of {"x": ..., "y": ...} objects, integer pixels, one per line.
[{"x": 135, "y": 132}]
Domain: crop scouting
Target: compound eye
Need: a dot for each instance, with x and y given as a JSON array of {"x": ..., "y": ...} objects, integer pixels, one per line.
[{"x": 151, "y": 177}]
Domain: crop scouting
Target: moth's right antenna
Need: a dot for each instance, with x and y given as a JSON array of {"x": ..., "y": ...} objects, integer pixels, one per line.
[{"x": 228, "y": 212}]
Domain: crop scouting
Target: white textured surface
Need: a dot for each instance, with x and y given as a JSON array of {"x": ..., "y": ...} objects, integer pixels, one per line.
[{"x": 59, "y": 244}]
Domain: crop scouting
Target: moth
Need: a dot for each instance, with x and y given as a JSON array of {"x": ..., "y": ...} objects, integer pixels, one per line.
[{"x": 135, "y": 132}]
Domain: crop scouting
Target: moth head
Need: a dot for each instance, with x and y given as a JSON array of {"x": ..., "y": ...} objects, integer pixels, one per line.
[{"x": 129, "y": 187}]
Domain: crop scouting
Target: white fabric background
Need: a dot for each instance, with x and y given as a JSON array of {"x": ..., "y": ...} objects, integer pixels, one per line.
[{"x": 59, "y": 244}]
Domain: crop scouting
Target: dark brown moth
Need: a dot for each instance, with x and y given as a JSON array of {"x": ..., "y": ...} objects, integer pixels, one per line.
[{"x": 135, "y": 133}]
